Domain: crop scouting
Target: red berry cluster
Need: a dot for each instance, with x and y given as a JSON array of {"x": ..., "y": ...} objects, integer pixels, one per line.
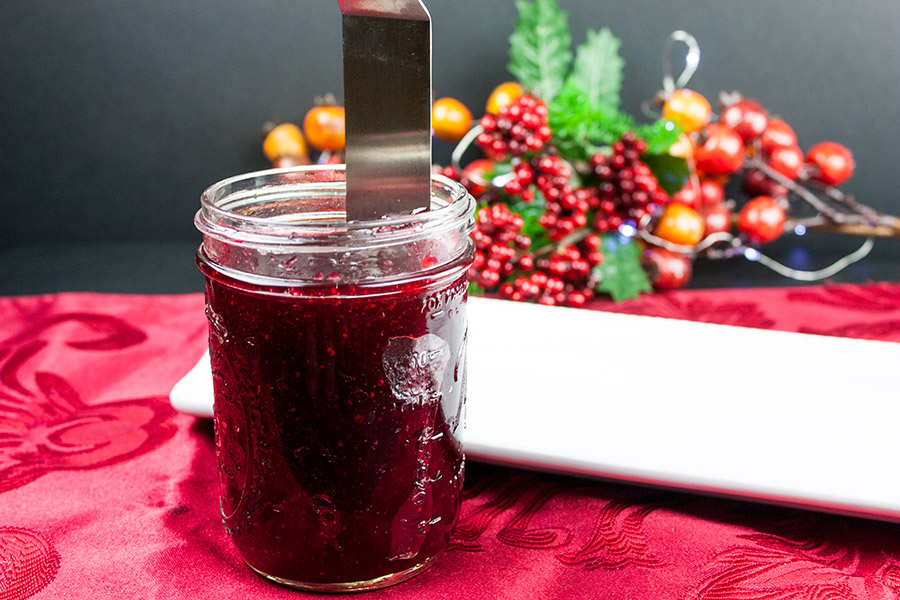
[
  {"x": 520, "y": 184},
  {"x": 565, "y": 207},
  {"x": 563, "y": 278},
  {"x": 745, "y": 127},
  {"x": 519, "y": 128},
  {"x": 537, "y": 287},
  {"x": 626, "y": 189},
  {"x": 747, "y": 138},
  {"x": 499, "y": 246}
]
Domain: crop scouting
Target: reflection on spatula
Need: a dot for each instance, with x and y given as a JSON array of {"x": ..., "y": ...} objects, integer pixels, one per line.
[{"x": 387, "y": 96}]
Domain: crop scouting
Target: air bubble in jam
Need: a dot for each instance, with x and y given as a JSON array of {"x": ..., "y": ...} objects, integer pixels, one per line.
[{"x": 340, "y": 410}]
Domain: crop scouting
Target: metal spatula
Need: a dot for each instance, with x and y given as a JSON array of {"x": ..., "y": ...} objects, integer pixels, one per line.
[{"x": 387, "y": 97}]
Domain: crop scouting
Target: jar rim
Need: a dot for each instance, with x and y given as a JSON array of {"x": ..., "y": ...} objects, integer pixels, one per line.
[
  {"x": 288, "y": 227},
  {"x": 450, "y": 203}
]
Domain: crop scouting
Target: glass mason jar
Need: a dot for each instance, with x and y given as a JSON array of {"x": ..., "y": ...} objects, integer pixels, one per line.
[{"x": 338, "y": 357}]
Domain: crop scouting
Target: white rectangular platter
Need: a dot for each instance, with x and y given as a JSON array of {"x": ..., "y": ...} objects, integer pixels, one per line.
[{"x": 790, "y": 418}]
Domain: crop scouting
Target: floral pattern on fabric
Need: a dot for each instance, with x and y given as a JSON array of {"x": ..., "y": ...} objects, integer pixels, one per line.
[
  {"x": 813, "y": 558},
  {"x": 46, "y": 426},
  {"x": 875, "y": 297},
  {"x": 28, "y": 562},
  {"x": 82, "y": 384}
]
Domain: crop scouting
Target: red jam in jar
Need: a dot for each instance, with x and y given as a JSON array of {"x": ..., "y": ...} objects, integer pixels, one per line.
[{"x": 338, "y": 360}]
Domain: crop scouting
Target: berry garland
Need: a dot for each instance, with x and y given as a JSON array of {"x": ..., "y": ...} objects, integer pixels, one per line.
[{"x": 577, "y": 198}]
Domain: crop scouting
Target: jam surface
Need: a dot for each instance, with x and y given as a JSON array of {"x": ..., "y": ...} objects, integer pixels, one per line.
[{"x": 338, "y": 419}]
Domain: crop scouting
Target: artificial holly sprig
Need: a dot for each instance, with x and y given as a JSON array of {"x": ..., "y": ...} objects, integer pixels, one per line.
[
  {"x": 583, "y": 96},
  {"x": 560, "y": 203}
]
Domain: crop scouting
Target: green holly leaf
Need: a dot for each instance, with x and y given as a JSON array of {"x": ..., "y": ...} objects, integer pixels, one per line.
[
  {"x": 597, "y": 70},
  {"x": 671, "y": 171},
  {"x": 659, "y": 135},
  {"x": 539, "y": 48},
  {"x": 621, "y": 275},
  {"x": 581, "y": 129}
]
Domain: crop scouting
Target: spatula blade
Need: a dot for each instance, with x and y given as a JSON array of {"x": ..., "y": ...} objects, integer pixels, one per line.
[{"x": 387, "y": 97}]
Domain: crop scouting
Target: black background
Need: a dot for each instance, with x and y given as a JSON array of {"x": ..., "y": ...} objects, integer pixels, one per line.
[{"x": 115, "y": 115}]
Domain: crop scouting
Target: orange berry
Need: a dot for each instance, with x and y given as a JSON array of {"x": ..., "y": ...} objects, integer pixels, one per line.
[
  {"x": 681, "y": 225},
  {"x": 682, "y": 147},
  {"x": 503, "y": 95},
  {"x": 687, "y": 109},
  {"x": 450, "y": 119},
  {"x": 284, "y": 141},
  {"x": 324, "y": 127}
]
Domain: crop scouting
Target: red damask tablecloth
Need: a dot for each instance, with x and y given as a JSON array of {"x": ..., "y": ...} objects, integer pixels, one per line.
[{"x": 106, "y": 492}]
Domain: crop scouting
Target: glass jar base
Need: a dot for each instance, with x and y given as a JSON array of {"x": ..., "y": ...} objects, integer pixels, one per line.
[{"x": 351, "y": 586}]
